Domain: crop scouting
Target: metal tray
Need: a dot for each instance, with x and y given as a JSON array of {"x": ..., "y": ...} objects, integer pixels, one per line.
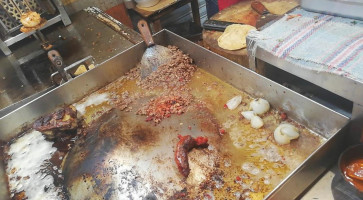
[
  {"x": 71, "y": 69},
  {"x": 316, "y": 117},
  {"x": 344, "y": 8}
]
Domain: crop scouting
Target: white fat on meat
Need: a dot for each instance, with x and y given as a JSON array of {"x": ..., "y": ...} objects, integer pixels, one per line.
[
  {"x": 201, "y": 164},
  {"x": 29, "y": 156},
  {"x": 94, "y": 99}
]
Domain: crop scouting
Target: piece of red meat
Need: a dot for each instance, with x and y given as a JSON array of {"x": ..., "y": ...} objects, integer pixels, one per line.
[{"x": 185, "y": 144}]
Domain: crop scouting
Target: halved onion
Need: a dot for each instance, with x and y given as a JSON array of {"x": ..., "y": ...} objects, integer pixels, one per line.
[
  {"x": 234, "y": 102},
  {"x": 290, "y": 130},
  {"x": 248, "y": 114},
  {"x": 256, "y": 122},
  {"x": 284, "y": 133},
  {"x": 259, "y": 106}
]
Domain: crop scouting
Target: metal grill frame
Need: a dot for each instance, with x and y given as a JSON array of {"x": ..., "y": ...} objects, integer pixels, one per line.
[
  {"x": 8, "y": 40},
  {"x": 12, "y": 24}
]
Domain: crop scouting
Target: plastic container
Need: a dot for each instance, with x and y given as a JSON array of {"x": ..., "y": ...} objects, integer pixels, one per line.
[
  {"x": 345, "y": 8},
  {"x": 351, "y": 153}
]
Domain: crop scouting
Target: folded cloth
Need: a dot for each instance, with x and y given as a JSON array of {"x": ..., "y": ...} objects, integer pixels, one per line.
[{"x": 317, "y": 42}]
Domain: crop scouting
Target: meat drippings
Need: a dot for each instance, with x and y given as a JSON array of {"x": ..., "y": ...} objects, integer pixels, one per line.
[{"x": 29, "y": 168}]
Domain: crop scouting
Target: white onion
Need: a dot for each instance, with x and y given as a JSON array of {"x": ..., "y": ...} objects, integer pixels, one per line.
[
  {"x": 284, "y": 133},
  {"x": 256, "y": 122},
  {"x": 290, "y": 130},
  {"x": 259, "y": 106},
  {"x": 234, "y": 102},
  {"x": 281, "y": 139},
  {"x": 248, "y": 114}
]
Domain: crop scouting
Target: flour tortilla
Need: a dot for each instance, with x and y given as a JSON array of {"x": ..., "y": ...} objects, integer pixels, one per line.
[{"x": 234, "y": 37}]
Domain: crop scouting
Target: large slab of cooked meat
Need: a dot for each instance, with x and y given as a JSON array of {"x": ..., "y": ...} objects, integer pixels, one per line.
[{"x": 62, "y": 119}]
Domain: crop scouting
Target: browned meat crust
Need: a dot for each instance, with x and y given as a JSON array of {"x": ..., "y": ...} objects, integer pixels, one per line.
[
  {"x": 62, "y": 119},
  {"x": 164, "y": 106},
  {"x": 185, "y": 144},
  {"x": 180, "y": 195},
  {"x": 174, "y": 74}
]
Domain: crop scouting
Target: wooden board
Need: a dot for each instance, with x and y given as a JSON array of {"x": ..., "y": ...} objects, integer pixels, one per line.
[
  {"x": 119, "y": 12},
  {"x": 166, "y": 8},
  {"x": 241, "y": 13},
  {"x": 210, "y": 42},
  {"x": 162, "y": 4}
]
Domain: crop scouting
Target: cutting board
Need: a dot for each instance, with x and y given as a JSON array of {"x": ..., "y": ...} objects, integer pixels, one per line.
[{"x": 241, "y": 13}]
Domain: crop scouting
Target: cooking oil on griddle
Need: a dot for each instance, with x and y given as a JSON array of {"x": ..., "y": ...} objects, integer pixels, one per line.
[
  {"x": 255, "y": 162},
  {"x": 122, "y": 155},
  {"x": 247, "y": 162}
]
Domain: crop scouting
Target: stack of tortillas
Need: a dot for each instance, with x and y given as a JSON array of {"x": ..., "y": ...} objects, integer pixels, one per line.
[{"x": 234, "y": 37}]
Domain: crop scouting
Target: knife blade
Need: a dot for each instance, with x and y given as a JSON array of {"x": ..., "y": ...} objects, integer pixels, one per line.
[
  {"x": 266, "y": 16},
  {"x": 217, "y": 25}
]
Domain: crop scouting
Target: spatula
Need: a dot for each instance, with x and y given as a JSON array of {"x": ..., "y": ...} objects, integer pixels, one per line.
[
  {"x": 266, "y": 16},
  {"x": 155, "y": 55}
]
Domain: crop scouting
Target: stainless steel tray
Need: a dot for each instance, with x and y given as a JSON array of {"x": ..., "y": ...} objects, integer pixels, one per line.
[
  {"x": 316, "y": 117},
  {"x": 344, "y": 8},
  {"x": 71, "y": 69}
]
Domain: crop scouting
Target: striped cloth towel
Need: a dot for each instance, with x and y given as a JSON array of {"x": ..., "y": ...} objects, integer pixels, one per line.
[{"x": 317, "y": 42}]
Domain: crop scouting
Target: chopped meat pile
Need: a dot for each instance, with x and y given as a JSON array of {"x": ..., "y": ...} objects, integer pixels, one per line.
[
  {"x": 185, "y": 144},
  {"x": 62, "y": 119},
  {"x": 172, "y": 77},
  {"x": 177, "y": 73},
  {"x": 123, "y": 100},
  {"x": 162, "y": 107},
  {"x": 183, "y": 194}
]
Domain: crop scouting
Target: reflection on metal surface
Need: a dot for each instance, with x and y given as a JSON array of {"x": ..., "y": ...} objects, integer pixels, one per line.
[
  {"x": 114, "y": 24},
  {"x": 125, "y": 156},
  {"x": 84, "y": 37}
]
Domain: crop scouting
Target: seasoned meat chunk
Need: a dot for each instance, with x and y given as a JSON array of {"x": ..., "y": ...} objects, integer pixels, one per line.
[
  {"x": 185, "y": 144},
  {"x": 62, "y": 119}
]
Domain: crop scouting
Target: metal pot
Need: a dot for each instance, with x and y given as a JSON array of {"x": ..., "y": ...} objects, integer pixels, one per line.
[{"x": 350, "y": 154}]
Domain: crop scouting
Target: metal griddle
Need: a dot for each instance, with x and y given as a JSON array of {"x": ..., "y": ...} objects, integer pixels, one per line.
[{"x": 316, "y": 117}]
